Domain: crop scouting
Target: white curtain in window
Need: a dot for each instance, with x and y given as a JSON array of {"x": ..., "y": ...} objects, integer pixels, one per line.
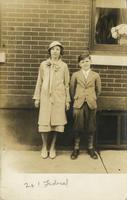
[
  {"x": 111, "y": 3},
  {"x": 123, "y": 16}
]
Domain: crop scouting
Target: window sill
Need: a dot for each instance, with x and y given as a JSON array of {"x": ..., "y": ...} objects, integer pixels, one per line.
[{"x": 109, "y": 60}]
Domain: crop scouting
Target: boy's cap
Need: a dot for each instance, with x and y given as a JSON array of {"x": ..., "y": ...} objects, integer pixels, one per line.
[
  {"x": 83, "y": 56},
  {"x": 55, "y": 43}
]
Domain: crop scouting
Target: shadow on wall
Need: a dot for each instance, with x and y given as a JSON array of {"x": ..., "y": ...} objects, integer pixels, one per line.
[{"x": 19, "y": 130}]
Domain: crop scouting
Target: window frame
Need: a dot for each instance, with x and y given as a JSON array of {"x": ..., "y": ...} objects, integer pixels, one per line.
[{"x": 103, "y": 48}]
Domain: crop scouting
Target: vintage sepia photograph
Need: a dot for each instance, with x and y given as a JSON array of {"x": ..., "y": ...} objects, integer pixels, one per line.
[{"x": 63, "y": 99}]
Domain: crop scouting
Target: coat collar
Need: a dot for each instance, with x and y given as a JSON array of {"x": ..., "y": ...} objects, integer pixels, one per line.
[
  {"x": 55, "y": 66},
  {"x": 90, "y": 75}
]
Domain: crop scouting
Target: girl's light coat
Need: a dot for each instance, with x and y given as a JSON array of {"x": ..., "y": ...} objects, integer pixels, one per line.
[{"x": 52, "y": 90}]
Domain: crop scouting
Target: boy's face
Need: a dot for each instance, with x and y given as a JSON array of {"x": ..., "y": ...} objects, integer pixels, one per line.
[{"x": 85, "y": 63}]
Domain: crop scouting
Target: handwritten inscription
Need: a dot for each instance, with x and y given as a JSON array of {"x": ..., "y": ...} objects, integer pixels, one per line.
[{"x": 47, "y": 183}]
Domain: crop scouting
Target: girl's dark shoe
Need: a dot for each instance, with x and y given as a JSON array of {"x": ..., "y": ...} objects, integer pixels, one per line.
[
  {"x": 92, "y": 153},
  {"x": 75, "y": 154}
]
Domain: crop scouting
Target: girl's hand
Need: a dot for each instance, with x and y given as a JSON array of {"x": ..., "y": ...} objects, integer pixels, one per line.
[
  {"x": 36, "y": 103},
  {"x": 67, "y": 106}
]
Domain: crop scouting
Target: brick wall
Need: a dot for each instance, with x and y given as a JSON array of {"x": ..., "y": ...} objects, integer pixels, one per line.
[
  {"x": 27, "y": 28},
  {"x": 114, "y": 80}
]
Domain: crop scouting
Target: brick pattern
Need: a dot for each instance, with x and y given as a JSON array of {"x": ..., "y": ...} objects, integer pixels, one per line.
[
  {"x": 27, "y": 28},
  {"x": 114, "y": 80}
]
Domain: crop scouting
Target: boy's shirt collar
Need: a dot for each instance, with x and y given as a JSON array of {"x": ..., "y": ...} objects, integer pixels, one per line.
[{"x": 86, "y": 73}]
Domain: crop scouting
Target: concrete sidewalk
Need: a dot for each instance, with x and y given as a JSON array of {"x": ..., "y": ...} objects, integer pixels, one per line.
[{"x": 26, "y": 161}]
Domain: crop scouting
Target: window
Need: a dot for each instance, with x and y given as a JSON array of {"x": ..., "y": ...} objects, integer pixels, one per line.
[
  {"x": 109, "y": 25},
  {"x": 0, "y": 24}
]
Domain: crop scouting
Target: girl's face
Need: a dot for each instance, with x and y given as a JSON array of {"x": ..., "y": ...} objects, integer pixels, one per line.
[
  {"x": 85, "y": 63},
  {"x": 55, "y": 52}
]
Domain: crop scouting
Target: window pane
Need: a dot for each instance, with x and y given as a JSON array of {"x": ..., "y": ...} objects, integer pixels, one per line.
[{"x": 106, "y": 19}]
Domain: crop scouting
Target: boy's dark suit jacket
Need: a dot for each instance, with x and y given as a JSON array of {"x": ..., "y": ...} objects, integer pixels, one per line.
[{"x": 85, "y": 90}]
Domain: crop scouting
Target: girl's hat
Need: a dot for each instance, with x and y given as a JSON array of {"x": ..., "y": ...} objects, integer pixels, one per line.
[{"x": 55, "y": 43}]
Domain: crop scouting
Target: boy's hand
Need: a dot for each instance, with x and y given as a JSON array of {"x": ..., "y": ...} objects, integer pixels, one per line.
[
  {"x": 67, "y": 106},
  {"x": 36, "y": 103}
]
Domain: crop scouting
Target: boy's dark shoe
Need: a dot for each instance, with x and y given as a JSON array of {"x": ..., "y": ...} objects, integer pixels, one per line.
[
  {"x": 92, "y": 153},
  {"x": 75, "y": 154}
]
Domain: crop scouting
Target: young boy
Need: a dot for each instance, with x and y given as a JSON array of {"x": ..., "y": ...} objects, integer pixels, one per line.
[{"x": 85, "y": 87}]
